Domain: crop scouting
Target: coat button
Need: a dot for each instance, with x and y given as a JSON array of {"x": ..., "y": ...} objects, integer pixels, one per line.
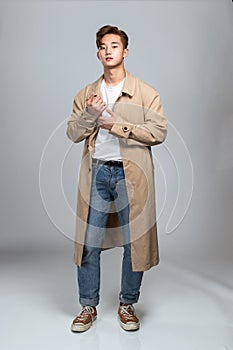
[{"x": 125, "y": 128}]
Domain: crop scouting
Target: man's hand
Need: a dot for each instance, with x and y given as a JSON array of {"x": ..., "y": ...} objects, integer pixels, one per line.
[
  {"x": 95, "y": 105},
  {"x": 107, "y": 122}
]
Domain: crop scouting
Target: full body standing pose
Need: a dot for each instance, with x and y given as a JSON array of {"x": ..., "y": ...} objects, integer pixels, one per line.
[{"x": 119, "y": 117}]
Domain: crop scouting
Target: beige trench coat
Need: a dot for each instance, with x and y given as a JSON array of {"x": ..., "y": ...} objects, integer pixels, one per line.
[{"x": 140, "y": 124}]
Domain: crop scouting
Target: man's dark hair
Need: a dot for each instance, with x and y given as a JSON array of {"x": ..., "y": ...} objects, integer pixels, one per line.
[{"x": 108, "y": 29}]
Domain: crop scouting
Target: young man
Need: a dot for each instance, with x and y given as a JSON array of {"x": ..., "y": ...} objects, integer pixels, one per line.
[{"x": 119, "y": 117}]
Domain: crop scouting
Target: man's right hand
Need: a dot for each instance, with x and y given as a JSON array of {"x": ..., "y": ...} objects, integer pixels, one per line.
[{"x": 95, "y": 105}]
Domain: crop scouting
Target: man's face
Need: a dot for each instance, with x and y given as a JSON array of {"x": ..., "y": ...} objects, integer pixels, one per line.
[{"x": 111, "y": 52}]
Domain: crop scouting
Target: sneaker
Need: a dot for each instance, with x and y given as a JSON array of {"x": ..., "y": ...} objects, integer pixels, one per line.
[
  {"x": 84, "y": 320},
  {"x": 128, "y": 319}
]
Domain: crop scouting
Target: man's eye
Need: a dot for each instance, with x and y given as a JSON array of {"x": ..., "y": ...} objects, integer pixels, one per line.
[
  {"x": 115, "y": 46},
  {"x": 102, "y": 48}
]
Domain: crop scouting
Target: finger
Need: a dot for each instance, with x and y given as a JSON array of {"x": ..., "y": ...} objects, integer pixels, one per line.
[
  {"x": 90, "y": 98},
  {"x": 100, "y": 103},
  {"x": 104, "y": 119},
  {"x": 101, "y": 106},
  {"x": 110, "y": 112},
  {"x": 102, "y": 109},
  {"x": 97, "y": 99},
  {"x": 103, "y": 126}
]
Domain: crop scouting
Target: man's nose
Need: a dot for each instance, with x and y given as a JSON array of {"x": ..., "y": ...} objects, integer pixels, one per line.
[{"x": 108, "y": 51}]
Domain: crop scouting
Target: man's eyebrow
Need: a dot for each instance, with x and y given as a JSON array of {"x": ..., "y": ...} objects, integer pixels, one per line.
[{"x": 113, "y": 42}]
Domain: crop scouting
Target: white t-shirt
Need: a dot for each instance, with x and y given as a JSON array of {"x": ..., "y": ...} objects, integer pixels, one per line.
[{"x": 107, "y": 145}]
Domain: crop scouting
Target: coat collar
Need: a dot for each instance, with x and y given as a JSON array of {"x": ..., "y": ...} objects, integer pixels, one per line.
[{"x": 128, "y": 87}]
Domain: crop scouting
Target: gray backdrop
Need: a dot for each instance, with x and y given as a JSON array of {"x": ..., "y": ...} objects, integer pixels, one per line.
[{"x": 184, "y": 50}]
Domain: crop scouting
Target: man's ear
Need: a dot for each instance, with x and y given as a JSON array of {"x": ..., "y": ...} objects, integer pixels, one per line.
[
  {"x": 125, "y": 53},
  {"x": 98, "y": 55}
]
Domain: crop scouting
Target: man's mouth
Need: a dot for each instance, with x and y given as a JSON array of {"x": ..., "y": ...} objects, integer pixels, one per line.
[{"x": 109, "y": 59}]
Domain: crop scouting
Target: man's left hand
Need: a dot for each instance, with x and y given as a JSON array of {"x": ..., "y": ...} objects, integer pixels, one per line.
[{"x": 107, "y": 122}]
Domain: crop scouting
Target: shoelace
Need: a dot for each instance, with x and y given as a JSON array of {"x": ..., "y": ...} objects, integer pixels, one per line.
[
  {"x": 128, "y": 310},
  {"x": 85, "y": 310}
]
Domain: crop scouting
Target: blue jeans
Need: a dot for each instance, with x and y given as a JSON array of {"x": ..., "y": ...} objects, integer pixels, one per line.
[{"x": 108, "y": 185}]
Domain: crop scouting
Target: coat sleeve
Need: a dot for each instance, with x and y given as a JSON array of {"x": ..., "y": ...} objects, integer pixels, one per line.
[
  {"x": 154, "y": 129},
  {"x": 80, "y": 124}
]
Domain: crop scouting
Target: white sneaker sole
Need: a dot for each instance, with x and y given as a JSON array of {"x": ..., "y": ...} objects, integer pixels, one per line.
[
  {"x": 80, "y": 327},
  {"x": 130, "y": 326}
]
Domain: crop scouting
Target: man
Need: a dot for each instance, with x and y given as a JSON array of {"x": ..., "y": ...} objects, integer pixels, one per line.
[{"x": 119, "y": 117}]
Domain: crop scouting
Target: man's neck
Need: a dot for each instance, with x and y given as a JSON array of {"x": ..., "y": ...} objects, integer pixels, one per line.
[{"x": 114, "y": 76}]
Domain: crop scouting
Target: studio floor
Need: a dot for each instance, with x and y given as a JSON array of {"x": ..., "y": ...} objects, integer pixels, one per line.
[{"x": 179, "y": 309}]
